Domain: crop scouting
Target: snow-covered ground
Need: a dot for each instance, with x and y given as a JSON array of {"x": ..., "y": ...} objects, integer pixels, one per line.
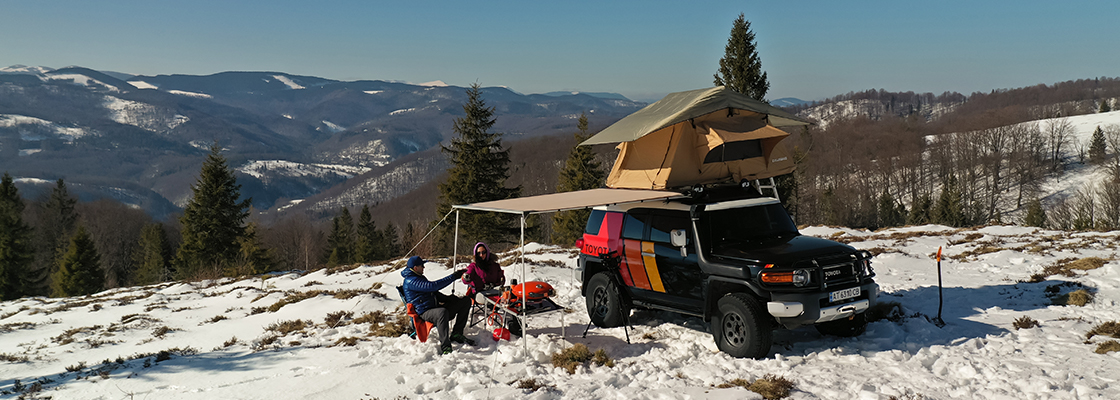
[{"x": 220, "y": 346}]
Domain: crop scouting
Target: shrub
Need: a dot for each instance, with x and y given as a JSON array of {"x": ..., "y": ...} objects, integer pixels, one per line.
[
  {"x": 1080, "y": 298},
  {"x": 397, "y": 326},
  {"x": 161, "y": 331},
  {"x": 1110, "y": 328},
  {"x": 601, "y": 358},
  {"x": 1024, "y": 322},
  {"x": 572, "y": 357},
  {"x": 347, "y": 341},
  {"x": 12, "y": 358},
  {"x": 771, "y": 387},
  {"x": 532, "y": 384},
  {"x": 286, "y": 327},
  {"x": 1108, "y": 346},
  {"x": 1087, "y": 263},
  {"x": 334, "y": 318}
]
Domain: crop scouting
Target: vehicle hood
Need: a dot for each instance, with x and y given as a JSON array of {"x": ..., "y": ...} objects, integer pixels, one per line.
[{"x": 786, "y": 250}]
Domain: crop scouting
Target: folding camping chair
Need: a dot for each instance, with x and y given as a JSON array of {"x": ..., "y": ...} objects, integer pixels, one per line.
[{"x": 420, "y": 327}]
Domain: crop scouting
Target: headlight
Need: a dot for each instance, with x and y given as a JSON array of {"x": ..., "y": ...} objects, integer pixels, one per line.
[
  {"x": 800, "y": 277},
  {"x": 797, "y": 278}
]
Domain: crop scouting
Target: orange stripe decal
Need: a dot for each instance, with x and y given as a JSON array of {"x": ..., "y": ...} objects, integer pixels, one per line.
[
  {"x": 651, "y": 267},
  {"x": 634, "y": 261}
]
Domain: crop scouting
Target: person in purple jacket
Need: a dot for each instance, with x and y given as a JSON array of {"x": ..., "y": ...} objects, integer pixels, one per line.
[
  {"x": 484, "y": 273},
  {"x": 436, "y": 307}
]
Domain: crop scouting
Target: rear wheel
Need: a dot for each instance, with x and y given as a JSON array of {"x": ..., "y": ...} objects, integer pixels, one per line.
[
  {"x": 844, "y": 327},
  {"x": 604, "y": 304},
  {"x": 741, "y": 329}
]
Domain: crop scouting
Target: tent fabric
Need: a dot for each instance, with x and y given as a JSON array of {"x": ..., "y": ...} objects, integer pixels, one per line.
[
  {"x": 570, "y": 200},
  {"x": 679, "y": 107}
]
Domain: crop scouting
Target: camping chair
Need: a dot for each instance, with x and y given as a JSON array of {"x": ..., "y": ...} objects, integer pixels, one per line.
[{"x": 420, "y": 327}]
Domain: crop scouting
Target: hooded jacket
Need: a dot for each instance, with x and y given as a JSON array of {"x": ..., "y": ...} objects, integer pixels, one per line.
[
  {"x": 483, "y": 272},
  {"x": 421, "y": 292}
]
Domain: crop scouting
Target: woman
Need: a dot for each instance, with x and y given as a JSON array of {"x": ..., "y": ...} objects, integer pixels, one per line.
[{"x": 484, "y": 273}]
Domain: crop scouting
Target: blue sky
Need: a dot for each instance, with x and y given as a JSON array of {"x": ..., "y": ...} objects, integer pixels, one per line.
[{"x": 642, "y": 49}]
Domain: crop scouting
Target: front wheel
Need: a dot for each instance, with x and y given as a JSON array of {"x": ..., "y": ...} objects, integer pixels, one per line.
[
  {"x": 604, "y": 304},
  {"x": 741, "y": 328}
]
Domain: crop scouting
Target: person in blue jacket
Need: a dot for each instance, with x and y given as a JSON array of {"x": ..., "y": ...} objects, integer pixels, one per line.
[{"x": 436, "y": 307}]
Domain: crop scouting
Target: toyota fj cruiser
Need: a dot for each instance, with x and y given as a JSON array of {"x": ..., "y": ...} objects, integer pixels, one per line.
[{"x": 729, "y": 256}]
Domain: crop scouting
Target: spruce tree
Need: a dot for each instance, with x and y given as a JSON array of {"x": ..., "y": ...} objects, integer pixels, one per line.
[
  {"x": 1097, "y": 147},
  {"x": 581, "y": 172},
  {"x": 740, "y": 69},
  {"x": 367, "y": 242},
  {"x": 1104, "y": 106},
  {"x": 79, "y": 270},
  {"x": 57, "y": 217},
  {"x": 252, "y": 258},
  {"x": 213, "y": 221},
  {"x": 1036, "y": 216},
  {"x": 340, "y": 242},
  {"x": 392, "y": 241},
  {"x": 919, "y": 211},
  {"x": 16, "y": 251},
  {"x": 890, "y": 214},
  {"x": 153, "y": 255},
  {"x": 950, "y": 207},
  {"x": 478, "y": 173}
]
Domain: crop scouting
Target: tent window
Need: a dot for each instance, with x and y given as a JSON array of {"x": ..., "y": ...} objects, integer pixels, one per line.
[{"x": 732, "y": 151}]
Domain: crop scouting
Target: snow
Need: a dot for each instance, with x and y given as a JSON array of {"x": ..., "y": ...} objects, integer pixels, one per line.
[
  {"x": 372, "y": 91},
  {"x": 436, "y": 83},
  {"x": 288, "y": 81},
  {"x": 65, "y": 133},
  {"x": 142, "y": 115},
  {"x": 190, "y": 94},
  {"x": 142, "y": 85},
  {"x": 333, "y": 127},
  {"x": 27, "y": 152},
  {"x": 82, "y": 80},
  {"x": 110, "y": 339},
  {"x": 261, "y": 168},
  {"x": 402, "y": 111}
]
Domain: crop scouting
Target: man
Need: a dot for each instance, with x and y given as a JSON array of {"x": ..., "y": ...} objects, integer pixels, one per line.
[{"x": 436, "y": 307}]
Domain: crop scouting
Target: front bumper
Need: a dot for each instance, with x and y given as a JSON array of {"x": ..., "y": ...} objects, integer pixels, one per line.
[{"x": 792, "y": 310}]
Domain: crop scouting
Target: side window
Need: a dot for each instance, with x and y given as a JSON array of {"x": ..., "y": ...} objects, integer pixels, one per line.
[
  {"x": 634, "y": 226},
  {"x": 594, "y": 222},
  {"x": 662, "y": 224}
]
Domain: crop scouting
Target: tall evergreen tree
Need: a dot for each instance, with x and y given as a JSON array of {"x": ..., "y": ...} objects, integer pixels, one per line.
[
  {"x": 919, "y": 211},
  {"x": 581, "y": 172},
  {"x": 213, "y": 221},
  {"x": 950, "y": 207},
  {"x": 1104, "y": 106},
  {"x": 890, "y": 214},
  {"x": 16, "y": 251},
  {"x": 252, "y": 257},
  {"x": 392, "y": 241},
  {"x": 340, "y": 242},
  {"x": 79, "y": 270},
  {"x": 153, "y": 255},
  {"x": 57, "y": 217},
  {"x": 368, "y": 244},
  {"x": 740, "y": 69},
  {"x": 1097, "y": 147},
  {"x": 478, "y": 172},
  {"x": 1036, "y": 216}
]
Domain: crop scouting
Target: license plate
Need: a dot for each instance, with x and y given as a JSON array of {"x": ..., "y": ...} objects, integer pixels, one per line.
[{"x": 843, "y": 294}]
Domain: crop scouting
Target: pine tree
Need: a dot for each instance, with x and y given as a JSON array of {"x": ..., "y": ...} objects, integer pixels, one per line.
[
  {"x": 950, "y": 208},
  {"x": 213, "y": 221},
  {"x": 57, "y": 217},
  {"x": 340, "y": 242},
  {"x": 153, "y": 255},
  {"x": 392, "y": 241},
  {"x": 1097, "y": 148},
  {"x": 1104, "y": 106},
  {"x": 79, "y": 270},
  {"x": 919, "y": 211},
  {"x": 890, "y": 214},
  {"x": 581, "y": 172},
  {"x": 1036, "y": 216},
  {"x": 367, "y": 243},
  {"x": 252, "y": 258},
  {"x": 740, "y": 69},
  {"x": 478, "y": 172},
  {"x": 16, "y": 251}
]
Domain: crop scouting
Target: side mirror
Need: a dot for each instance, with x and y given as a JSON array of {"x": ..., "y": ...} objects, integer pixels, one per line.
[{"x": 678, "y": 238}]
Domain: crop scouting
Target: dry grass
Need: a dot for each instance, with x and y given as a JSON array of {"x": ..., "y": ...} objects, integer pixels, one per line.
[
  {"x": 1087, "y": 264},
  {"x": 286, "y": 327},
  {"x": 1107, "y": 347},
  {"x": 532, "y": 385},
  {"x": 333, "y": 319},
  {"x": 1025, "y": 322},
  {"x": 385, "y": 325},
  {"x": 1110, "y": 328},
  {"x": 770, "y": 386},
  {"x": 571, "y": 358},
  {"x": 12, "y": 358}
]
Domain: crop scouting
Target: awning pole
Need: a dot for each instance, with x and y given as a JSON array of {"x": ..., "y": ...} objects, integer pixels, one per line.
[
  {"x": 455, "y": 249},
  {"x": 524, "y": 286}
]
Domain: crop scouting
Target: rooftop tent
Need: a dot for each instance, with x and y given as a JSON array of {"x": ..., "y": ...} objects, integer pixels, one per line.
[{"x": 698, "y": 137}]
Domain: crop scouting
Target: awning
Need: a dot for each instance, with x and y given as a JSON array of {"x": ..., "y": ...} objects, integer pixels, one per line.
[{"x": 564, "y": 201}]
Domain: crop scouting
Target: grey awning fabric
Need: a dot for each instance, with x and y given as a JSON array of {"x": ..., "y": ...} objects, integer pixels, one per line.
[
  {"x": 682, "y": 106},
  {"x": 570, "y": 200}
]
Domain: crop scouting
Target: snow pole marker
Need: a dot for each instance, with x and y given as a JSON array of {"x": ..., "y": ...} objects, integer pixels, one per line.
[{"x": 940, "y": 296}]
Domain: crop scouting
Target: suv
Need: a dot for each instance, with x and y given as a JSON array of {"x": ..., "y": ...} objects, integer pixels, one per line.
[{"x": 729, "y": 256}]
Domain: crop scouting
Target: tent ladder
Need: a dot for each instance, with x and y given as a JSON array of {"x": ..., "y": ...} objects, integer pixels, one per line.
[{"x": 772, "y": 186}]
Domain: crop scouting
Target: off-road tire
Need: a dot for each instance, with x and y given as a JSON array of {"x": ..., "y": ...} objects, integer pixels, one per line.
[
  {"x": 604, "y": 304},
  {"x": 741, "y": 328},
  {"x": 844, "y": 327}
]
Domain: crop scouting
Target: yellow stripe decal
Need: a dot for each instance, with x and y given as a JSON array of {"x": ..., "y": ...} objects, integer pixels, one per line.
[{"x": 651, "y": 267}]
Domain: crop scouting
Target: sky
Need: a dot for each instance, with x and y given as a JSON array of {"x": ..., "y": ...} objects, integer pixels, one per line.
[{"x": 810, "y": 50}]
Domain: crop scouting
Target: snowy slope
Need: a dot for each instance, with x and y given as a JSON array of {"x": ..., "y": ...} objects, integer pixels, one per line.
[{"x": 219, "y": 346}]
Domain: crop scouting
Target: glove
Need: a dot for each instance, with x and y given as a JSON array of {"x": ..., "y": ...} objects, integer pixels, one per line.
[{"x": 459, "y": 274}]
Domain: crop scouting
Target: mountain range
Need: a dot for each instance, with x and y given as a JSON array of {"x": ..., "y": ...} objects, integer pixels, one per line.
[{"x": 142, "y": 139}]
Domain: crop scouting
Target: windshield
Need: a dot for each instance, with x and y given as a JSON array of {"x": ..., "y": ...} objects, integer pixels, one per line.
[{"x": 738, "y": 226}]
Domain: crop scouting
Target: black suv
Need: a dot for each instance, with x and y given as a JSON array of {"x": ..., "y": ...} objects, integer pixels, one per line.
[{"x": 729, "y": 256}]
